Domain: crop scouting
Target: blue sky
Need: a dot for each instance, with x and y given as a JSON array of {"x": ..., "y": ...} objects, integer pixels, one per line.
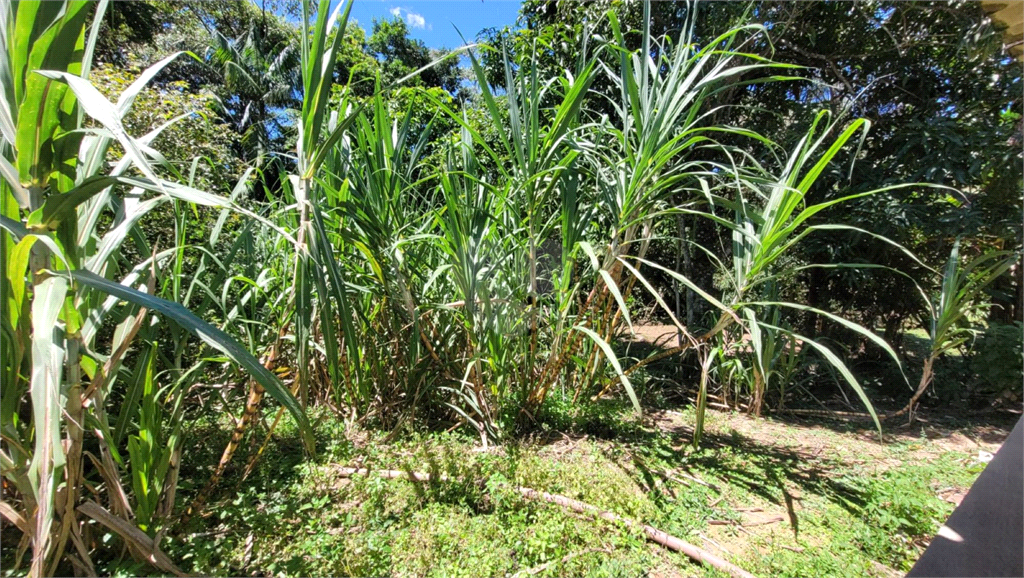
[{"x": 431, "y": 20}]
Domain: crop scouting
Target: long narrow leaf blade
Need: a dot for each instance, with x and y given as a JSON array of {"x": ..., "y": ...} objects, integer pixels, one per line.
[{"x": 210, "y": 335}]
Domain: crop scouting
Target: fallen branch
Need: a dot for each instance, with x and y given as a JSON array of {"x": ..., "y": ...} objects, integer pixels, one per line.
[
  {"x": 390, "y": 474},
  {"x": 141, "y": 545},
  {"x": 772, "y": 520},
  {"x": 847, "y": 415},
  {"x": 653, "y": 534}
]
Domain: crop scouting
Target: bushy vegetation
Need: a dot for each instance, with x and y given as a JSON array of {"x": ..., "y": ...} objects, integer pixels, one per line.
[{"x": 388, "y": 238}]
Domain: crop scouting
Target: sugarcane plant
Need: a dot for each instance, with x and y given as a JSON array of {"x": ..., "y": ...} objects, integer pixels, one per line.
[
  {"x": 770, "y": 216},
  {"x": 612, "y": 178},
  {"x": 63, "y": 281},
  {"x": 951, "y": 312},
  {"x": 318, "y": 298}
]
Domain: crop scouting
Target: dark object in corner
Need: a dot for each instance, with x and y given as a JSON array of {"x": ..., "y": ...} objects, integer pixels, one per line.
[{"x": 985, "y": 535}]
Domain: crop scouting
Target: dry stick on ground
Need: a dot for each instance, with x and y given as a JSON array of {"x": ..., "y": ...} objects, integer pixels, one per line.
[
  {"x": 672, "y": 476},
  {"x": 140, "y": 544},
  {"x": 712, "y": 542},
  {"x": 847, "y": 414},
  {"x": 653, "y": 534}
]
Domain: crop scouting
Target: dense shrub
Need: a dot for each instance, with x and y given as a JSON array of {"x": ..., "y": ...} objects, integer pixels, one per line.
[{"x": 997, "y": 360}]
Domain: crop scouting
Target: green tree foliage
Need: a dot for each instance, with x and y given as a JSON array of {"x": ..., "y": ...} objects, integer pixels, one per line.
[
  {"x": 399, "y": 55},
  {"x": 126, "y": 25},
  {"x": 944, "y": 102},
  {"x": 259, "y": 80},
  {"x": 194, "y": 131},
  {"x": 354, "y": 66}
]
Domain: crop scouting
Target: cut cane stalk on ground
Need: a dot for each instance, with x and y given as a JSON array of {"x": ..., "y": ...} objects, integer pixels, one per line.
[{"x": 653, "y": 534}]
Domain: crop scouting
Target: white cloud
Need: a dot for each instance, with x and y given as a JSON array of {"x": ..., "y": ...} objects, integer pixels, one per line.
[{"x": 413, "y": 19}]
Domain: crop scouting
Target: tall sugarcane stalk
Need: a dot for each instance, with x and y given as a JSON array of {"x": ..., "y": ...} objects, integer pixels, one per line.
[{"x": 57, "y": 292}]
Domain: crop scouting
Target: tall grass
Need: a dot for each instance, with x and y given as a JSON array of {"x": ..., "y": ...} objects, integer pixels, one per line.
[{"x": 484, "y": 285}]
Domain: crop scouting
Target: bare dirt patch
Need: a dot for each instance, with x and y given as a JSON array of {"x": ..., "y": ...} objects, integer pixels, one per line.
[
  {"x": 657, "y": 335},
  {"x": 821, "y": 441}
]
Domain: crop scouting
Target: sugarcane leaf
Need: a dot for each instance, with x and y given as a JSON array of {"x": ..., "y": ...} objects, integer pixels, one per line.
[
  {"x": 859, "y": 329},
  {"x": 608, "y": 282},
  {"x": 99, "y": 108},
  {"x": 691, "y": 285},
  {"x": 837, "y": 363},
  {"x": 613, "y": 360},
  {"x": 211, "y": 336}
]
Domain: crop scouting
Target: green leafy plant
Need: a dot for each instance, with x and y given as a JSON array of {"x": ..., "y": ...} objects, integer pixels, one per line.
[
  {"x": 62, "y": 279},
  {"x": 996, "y": 359},
  {"x": 950, "y": 311},
  {"x": 766, "y": 227}
]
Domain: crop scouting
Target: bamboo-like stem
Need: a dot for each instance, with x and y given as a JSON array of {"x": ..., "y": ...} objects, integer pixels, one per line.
[
  {"x": 926, "y": 379},
  {"x": 252, "y": 404},
  {"x": 39, "y": 260},
  {"x": 558, "y": 360},
  {"x": 299, "y": 281},
  {"x": 602, "y": 304},
  {"x": 610, "y": 329},
  {"x": 266, "y": 441},
  {"x": 758, "y": 401},
  {"x": 73, "y": 465}
]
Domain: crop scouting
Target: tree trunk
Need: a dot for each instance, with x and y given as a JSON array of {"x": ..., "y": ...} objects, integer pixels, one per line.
[
  {"x": 680, "y": 232},
  {"x": 894, "y": 330},
  {"x": 812, "y": 323},
  {"x": 688, "y": 233}
]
